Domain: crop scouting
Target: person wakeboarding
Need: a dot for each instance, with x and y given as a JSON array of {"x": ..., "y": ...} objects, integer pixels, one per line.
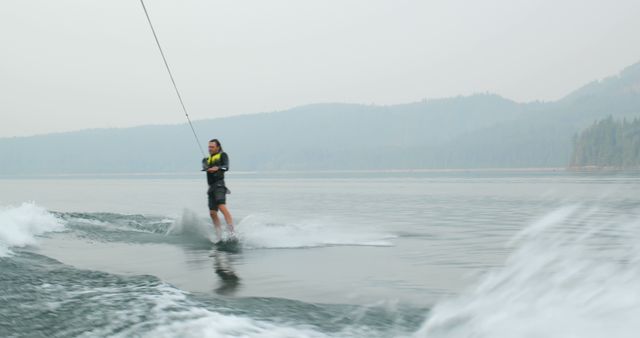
[{"x": 216, "y": 165}]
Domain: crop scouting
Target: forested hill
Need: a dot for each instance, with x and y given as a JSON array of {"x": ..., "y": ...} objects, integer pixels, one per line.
[
  {"x": 313, "y": 137},
  {"x": 608, "y": 143},
  {"x": 478, "y": 131}
]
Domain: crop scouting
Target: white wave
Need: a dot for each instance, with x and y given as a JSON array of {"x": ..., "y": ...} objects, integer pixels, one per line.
[
  {"x": 20, "y": 225},
  {"x": 173, "y": 315},
  {"x": 573, "y": 274},
  {"x": 267, "y": 231},
  {"x": 213, "y": 325},
  {"x": 116, "y": 222},
  {"x": 191, "y": 224}
]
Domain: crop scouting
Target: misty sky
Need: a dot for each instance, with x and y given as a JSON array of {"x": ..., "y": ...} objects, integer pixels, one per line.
[{"x": 68, "y": 65}]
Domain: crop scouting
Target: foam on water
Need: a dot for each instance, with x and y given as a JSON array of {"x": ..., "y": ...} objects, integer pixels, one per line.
[
  {"x": 268, "y": 231},
  {"x": 192, "y": 225},
  {"x": 40, "y": 296},
  {"x": 255, "y": 231},
  {"x": 574, "y": 273},
  {"x": 169, "y": 313},
  {"x": 113, "y": 222},
  {"x": 20, "y": 225}
]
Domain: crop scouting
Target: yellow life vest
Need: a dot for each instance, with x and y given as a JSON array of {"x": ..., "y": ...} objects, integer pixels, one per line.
[{"x": 214, "y": 158}]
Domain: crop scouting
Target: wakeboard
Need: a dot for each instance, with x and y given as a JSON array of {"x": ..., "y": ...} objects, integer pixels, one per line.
[{"x": 232, "y": 245}]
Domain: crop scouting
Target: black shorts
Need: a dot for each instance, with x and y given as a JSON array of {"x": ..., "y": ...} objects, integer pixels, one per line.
[{"x": 217, "y": 194}]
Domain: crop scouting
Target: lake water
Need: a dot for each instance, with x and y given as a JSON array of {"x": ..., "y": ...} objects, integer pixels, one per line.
[{"x": 404, "y": 254}]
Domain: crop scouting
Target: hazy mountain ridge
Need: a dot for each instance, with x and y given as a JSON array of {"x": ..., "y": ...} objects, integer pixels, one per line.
[
  {"x": 626, "y": 82},
  {"x": 477, "y": 131}
]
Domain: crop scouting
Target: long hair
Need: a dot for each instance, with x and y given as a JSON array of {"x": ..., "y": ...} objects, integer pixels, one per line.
[{"x": 215, "y": 140}]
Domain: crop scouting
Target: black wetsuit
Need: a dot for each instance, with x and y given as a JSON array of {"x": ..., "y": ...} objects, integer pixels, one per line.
[{"x": 217, "y": 189}]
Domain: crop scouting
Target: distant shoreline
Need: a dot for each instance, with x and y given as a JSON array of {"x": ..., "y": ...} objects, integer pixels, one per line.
[
  {"x": 595, "y": 168},
  {"x": 288, "y": 172},
  {"x": 151, "y": 175}
]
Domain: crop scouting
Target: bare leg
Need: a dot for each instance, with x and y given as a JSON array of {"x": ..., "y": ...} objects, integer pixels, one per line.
[
  {"x": 216, "y": 223},
  {"x": 227, "y": 217}
]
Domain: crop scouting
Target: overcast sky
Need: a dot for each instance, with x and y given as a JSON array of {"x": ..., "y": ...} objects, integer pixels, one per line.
[{"x": 68, "y": 65}]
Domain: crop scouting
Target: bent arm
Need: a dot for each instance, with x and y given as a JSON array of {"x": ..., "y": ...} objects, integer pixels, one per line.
[{"x": 224, "y": 162}]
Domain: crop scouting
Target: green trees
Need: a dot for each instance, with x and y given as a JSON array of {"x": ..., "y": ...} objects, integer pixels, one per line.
[{"x": 608, "y": 143}]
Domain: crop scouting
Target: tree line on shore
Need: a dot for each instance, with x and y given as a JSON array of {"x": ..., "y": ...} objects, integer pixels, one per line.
[{"x": 608, "y": 143}]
